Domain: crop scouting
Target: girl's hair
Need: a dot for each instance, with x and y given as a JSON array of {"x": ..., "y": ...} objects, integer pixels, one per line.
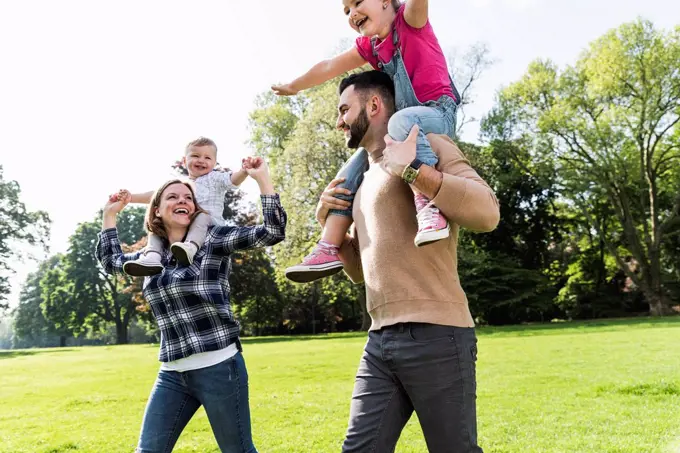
[
  {"x": 396, "y": 4},
  {"x": 153, "y": 223}
]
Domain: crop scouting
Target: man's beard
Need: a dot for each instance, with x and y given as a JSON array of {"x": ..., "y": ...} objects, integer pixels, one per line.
[{"x": 357, "y": 130}]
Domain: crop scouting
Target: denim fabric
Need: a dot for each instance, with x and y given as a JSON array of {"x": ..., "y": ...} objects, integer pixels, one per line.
[
  {"x": 426, "y": 368},
  {"x": 221, "y": 389},
  {"x": 353, "y": 171}
]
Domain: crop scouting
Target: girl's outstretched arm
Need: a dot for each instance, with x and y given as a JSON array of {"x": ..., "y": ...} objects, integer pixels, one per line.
[
  {"x": 322, "y": 72},
  {"x": 416, "y": 13}
]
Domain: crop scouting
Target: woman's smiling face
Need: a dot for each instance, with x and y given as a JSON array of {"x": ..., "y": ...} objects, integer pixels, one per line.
[{"x": 176, "y": 207}]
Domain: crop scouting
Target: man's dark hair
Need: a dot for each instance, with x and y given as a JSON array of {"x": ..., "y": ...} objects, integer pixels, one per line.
[{"x": 371, "y": 81}]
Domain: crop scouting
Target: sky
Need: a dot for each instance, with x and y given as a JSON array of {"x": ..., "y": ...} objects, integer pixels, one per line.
[{"x": 101, "y": 95}]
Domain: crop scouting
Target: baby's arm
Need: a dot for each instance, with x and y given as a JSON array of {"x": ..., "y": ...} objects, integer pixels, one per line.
[
  {"x": 144, "y": 198},
  {"x": 238, "y": 177},
  {"x": 322, "y": 72},
  {"x": 415, "y": 13}
]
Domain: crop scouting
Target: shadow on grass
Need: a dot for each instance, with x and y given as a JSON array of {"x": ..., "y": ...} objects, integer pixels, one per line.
[
  {"x": 647, "y": 389},
  {"x": 570, "y": 327},
  {"x": 280, "y": 339},
  {"x": 12, "y": 354}
]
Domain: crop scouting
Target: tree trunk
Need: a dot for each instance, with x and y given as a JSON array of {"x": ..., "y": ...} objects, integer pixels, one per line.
[
  {"x": 121, "y": 332},
  {"x": 659, "y": 305},
  {"x": 62, "y": 341},
  {"x": 656, "y": 296}
]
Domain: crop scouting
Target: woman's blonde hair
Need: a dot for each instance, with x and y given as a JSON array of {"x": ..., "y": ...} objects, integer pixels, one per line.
[{"x": 152, "y": 222}]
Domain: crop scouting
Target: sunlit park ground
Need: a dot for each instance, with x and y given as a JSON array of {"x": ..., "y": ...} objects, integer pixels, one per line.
[{"x": 606, "y": 386}]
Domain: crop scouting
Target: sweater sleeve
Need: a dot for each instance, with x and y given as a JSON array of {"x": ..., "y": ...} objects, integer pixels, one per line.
[{"x": 464, "y": 197}]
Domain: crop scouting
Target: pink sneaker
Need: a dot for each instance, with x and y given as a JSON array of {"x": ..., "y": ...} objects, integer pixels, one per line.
[
  {"x": 322, "y": 262},
  {"x": 432, "y": 225}
]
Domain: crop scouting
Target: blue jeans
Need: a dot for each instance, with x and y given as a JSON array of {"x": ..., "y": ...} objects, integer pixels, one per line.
[
  {"x": 222, "y": 389},
  {"x": 432, "y": 118},
  {"x": 426, "y": 368}
]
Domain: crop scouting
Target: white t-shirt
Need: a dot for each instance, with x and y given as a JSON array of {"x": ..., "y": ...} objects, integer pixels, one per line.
[
  {"x": 210, "y": 191},
  {"x": 201, "y": 360}
]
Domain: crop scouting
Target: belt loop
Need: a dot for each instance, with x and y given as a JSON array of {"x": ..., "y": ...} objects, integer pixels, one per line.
[{"x": 402, "y": 327}]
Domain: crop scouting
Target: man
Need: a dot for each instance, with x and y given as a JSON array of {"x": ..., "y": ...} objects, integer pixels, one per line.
[{"x": 421, "y": 348}]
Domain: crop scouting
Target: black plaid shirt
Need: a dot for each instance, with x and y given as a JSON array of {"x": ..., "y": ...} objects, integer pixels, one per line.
[{"x": 191, "y": 303}]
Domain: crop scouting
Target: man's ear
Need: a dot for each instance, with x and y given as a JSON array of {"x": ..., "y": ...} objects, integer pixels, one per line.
[{"x": 375, "y": 105}]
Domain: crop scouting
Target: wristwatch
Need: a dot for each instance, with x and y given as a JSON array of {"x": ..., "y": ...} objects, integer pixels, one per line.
[{"x": 410, "y": 172}]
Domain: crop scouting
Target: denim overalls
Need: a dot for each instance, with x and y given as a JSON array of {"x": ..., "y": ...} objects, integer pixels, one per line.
[{"x": 437, "y": 117}]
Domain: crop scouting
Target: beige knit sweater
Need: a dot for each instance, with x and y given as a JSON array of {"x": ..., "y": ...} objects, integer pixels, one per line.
[{"x": 405, "y": 283}]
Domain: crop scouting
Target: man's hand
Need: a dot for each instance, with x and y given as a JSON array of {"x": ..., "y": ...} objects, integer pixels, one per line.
[
  {"x": 327, "y": 201},
  {"x": 398, "y": 155}
]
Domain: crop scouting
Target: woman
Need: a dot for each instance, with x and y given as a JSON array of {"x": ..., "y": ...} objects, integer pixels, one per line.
[{"x": 200, "y": 349}]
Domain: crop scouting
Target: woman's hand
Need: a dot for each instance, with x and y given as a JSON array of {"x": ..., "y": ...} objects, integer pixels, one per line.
[
  {"x": 257, "y": 168},
  {"x": 113, "y": 206},
  {"x": 117, "y": 202},
  {"x": 328, "y": 200}
]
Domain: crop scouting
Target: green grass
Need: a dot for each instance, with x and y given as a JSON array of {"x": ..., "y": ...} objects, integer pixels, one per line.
[{"x": 566, "y": 387}]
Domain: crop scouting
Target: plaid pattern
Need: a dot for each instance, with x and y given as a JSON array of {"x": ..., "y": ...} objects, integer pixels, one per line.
[
  {"x": 191, "y": 303},
  {"x": 210, "y": 190}
]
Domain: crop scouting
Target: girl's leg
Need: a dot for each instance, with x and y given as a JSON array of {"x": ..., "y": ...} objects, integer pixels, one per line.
[
  {"x": 323, "y": 261},
  {"x": 336, "y": 228},
  {"x": 169, "y": 409},
  {"x": 430, "y": 120},
  {"x": 150, "y": 262},
  {"x": 185, "y": 251},
  {"x": 432, "y": 225},
  {"x": 223, "y": 391}
]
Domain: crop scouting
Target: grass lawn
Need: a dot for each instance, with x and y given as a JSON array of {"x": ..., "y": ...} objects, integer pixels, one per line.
[{"x": 573, "y": 387}]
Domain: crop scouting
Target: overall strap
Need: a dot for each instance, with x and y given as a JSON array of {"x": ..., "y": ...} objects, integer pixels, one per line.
[
  {"x": 395, "y": 41},
  {"x": 456, "y": 95},
  {"x": 395, "y": 35}
]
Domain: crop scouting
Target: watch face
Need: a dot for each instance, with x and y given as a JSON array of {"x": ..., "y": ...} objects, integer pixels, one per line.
[{"x": 409, "y": 175}]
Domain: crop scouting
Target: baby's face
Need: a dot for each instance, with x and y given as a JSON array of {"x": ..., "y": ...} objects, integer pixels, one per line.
[
  {"x": 200, "y": 160},
  {"x": 368, "y": 17}
]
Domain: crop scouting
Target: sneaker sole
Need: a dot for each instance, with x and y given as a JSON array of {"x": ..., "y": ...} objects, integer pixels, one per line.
[
  {"x": 306, "y": 274},
  {"x": 138, "y": 270},
  {"x": 431, "y": 237},
  {"x": 180, "y": 255}
]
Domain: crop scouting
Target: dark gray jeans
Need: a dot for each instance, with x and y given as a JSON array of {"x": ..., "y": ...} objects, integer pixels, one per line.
[{"x": 423, "y": 367}]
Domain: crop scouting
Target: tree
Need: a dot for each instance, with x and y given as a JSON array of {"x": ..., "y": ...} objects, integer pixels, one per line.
[
  {"x": 466, "y": 69},
  {"x": 78, "y": 294},
  {"x": 31, "y": 329},
  {"x": 612, "y": 122},
  {"x": 305, "y": 152},
  {"x": 506, "y": 273},
  {"x": 17, "y": 226}
]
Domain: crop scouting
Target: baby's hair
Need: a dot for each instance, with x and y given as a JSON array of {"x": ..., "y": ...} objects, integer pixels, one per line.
[{"x": 201, "y": 141}]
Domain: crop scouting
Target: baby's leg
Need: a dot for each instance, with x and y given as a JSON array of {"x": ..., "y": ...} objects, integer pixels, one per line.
[
  {"x": 154, "y": 245},
  {"x": 432, "y": 225},
  {"x": 323, "y": 260},
  {"x": 185, "y": 251},
  {"x": 150, "y": 262}
]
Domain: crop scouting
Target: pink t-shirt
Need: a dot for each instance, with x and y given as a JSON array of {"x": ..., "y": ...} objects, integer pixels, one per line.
[{"x": 423, "y": 57}]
